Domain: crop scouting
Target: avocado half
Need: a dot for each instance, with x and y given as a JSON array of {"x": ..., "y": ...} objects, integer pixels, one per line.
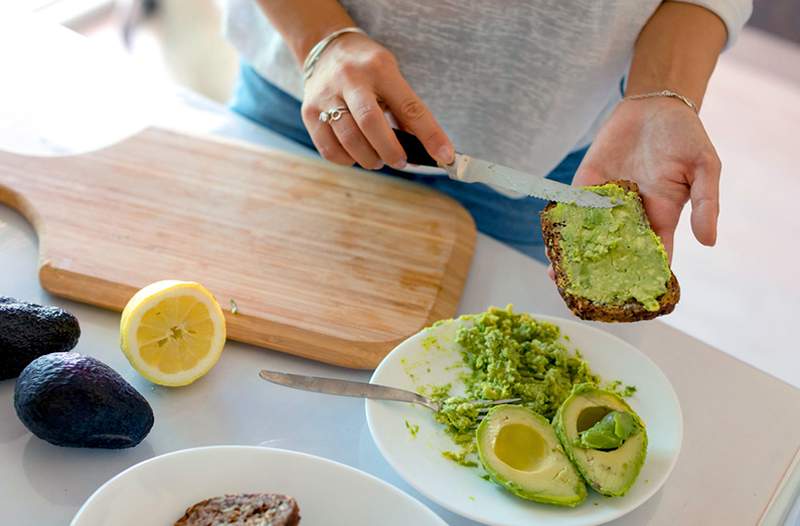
[
  {"x": 520, "y": 451},
  {"x": 609, "y": 472}
]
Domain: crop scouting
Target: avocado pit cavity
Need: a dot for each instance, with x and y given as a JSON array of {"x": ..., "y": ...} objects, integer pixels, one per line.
[
  {"x": 603, "y": 428},
  {"x": 519, "y": 446},
  {"x": 520, "y": 451},
  {"x": 603, "y": 437},
  {"x": 590, "y": 416}
]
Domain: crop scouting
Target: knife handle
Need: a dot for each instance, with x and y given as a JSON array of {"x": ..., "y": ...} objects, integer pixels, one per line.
[{"x": 415, "y": 151}]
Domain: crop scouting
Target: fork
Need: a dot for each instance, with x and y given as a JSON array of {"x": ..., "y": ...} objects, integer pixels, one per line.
[{"x": 338, "y": 387}]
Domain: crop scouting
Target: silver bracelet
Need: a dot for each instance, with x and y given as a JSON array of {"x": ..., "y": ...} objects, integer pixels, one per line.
[
  {"x": 665, "y": 93},
  {"x": 319, "y": 47}
]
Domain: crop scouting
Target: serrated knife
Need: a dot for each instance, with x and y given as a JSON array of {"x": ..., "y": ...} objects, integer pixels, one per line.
[{"x": 472, "y": 170}]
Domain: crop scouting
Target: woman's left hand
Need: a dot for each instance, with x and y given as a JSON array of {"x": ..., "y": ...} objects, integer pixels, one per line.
[{"x": 660, "y": 144}]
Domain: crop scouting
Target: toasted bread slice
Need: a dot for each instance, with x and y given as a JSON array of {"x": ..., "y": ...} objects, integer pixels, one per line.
[
  {"x": 631, "y": 310},
  {"x": 245, "y": 509}
]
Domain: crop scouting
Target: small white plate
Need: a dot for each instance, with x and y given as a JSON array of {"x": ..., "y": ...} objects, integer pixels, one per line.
[
  {"x": 419, "y": 460},
  {"x": 157, "y": 492}
]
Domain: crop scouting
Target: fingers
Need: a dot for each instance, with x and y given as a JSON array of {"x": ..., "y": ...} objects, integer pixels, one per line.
[
  {"x": 354, "y": 142},
  {"x": 351, "y": 137},
  {"x": 368, "y": 114},
  {"x": 415, "y": 117},
  {"x": 704, "y": 194},
  {"x": 362, "y": 75},
  {"x": 324, "y": 139},
  {"x": 667, "y": 236},
  {"x": 663, "y": 211}
]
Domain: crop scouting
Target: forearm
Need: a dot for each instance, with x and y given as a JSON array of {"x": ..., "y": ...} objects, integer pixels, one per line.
[
  {"x": 677, "y": 49},
  {"x": 303, "y": 24}
]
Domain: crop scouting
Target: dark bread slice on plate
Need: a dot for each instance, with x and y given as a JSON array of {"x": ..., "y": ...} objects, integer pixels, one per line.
[
  {"x": 268, "y": 509},
  {"x": 631, "y": 310}
]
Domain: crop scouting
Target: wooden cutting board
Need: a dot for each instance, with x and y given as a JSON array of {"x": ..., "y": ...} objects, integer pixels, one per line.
[{"x": 324, "y": 262}]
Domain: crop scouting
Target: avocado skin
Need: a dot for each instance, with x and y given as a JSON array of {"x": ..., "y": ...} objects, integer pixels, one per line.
[
  {"x": 28, "y": 330},
  {"x": 78, "y": 401},
  {"x": 569, "y": 448}
]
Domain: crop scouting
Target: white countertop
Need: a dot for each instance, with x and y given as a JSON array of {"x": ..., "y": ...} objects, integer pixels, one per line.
[{"x": 43, "y": 484}]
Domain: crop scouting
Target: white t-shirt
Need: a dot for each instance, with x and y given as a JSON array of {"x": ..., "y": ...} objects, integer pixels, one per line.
[{"x": 519, "y": 82}]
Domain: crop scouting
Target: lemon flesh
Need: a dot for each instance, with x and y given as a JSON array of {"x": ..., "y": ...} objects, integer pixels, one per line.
[{"x": 172, "y": 332}]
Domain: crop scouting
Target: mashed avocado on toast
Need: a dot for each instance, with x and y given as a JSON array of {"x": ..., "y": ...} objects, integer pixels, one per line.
[
  {"x": 609, "y": 264},
  {"x": 513, "y": 355}
]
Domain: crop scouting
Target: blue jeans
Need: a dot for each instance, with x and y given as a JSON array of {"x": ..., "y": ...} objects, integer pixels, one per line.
[{"x": 512, "y": 221}]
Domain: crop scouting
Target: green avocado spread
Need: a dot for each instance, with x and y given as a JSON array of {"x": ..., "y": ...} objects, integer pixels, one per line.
[
  {"x": 508, "y": 355},
  {"x": 610, "y": 432},
  {"x": 611, "y": 255}
]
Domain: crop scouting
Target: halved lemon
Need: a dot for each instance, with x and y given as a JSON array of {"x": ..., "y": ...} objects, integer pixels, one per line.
[{"x": 172, "y": 332}]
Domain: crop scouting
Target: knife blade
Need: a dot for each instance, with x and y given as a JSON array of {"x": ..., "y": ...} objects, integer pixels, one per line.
[
  {"x": 469, "y": 169},
  {"x": 338, "y": 387}
]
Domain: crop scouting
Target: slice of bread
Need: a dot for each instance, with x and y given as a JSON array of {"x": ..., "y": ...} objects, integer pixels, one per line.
[
  {"x": 258, "y": 509},
  {"x": 631, "y": 310}
]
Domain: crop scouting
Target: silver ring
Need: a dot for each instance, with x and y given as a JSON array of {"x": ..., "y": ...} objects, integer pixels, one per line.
[{"x": 333, "y": 114}]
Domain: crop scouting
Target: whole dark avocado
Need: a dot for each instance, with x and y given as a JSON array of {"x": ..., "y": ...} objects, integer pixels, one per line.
[
  {"x": 28, "y": 330},
  {"x": 73, "y": 400}
]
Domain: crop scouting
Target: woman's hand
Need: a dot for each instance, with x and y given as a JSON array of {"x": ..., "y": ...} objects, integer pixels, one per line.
[
  {"x": 660, "y": 144},
  {"x": 360, "y": 74}
]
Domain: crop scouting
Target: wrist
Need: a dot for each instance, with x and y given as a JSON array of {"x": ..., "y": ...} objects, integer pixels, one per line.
[
  {"x": 694, "y": 93},
  {"x": 677, "y": 49},
  {"x": 302, "y": 45},
  {"x": 664, "y": 94},
  {"x": 323, "y": 47}
]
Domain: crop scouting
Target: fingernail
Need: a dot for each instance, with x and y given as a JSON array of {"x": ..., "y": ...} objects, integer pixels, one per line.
[
  {"x": 399, "y": 165},
  {"x": 445, "y": 154},
  {"x": 378, "y": 166}
]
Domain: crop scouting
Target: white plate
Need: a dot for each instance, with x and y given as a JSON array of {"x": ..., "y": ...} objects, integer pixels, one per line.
[
  {"x": 156, "y": 492},
  {"x": 419, "y": 461}
]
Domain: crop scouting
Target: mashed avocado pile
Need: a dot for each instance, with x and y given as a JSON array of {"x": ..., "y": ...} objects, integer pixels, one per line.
[
  {"x": 611, "y": 255},
  {"x": 509, "y": 355}
]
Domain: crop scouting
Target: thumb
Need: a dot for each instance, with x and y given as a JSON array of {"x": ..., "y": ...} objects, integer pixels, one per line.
[{"x": 588, "y": 174}]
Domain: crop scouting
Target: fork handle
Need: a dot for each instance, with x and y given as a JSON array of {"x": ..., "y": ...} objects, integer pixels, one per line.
[{"x": 344, "y": 387}]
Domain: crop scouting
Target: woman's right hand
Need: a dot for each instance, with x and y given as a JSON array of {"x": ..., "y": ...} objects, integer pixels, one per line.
[{"x": 356, "y": 72}]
